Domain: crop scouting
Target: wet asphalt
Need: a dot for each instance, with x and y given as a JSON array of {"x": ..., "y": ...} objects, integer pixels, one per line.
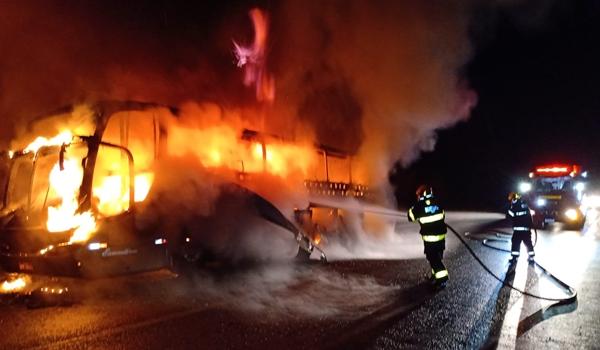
[{"x": 381, "y": 303}]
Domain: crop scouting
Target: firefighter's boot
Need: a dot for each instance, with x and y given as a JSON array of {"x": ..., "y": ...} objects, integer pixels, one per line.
[{"x": 439, "y": 279}]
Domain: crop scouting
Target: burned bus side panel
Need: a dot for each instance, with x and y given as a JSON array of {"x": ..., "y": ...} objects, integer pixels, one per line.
[{"x": 118, "y": 170}]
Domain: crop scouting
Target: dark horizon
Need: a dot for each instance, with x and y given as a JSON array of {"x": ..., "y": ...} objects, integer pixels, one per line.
[{"x": 539, "y": 103}]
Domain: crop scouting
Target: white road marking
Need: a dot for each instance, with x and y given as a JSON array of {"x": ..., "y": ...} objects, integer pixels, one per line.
[{"x": 508, "y": 333}]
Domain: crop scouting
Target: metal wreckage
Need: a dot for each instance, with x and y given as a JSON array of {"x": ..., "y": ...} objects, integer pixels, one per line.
[{"x": 72, "y": 193}]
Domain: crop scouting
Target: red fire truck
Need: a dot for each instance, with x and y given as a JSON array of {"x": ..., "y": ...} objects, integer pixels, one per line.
[{"x": 554, "y": 193}]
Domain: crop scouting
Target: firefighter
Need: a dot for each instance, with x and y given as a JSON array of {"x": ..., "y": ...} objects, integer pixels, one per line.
[
  {"x": 519, "y": 212},
  {"x": 433, "y": 231}
]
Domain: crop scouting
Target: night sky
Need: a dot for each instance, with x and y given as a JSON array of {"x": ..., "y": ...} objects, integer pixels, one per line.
[{"x": 538, "y": 83}]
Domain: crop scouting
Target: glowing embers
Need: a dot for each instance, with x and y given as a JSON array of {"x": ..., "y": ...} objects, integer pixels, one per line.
[
  {"x": 52, "y": 293},
  {"x": 14, "y": 284},
  {"x": 65, "y": 180}
]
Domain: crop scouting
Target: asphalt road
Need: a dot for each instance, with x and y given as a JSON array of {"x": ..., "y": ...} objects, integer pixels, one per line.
[{"x": 378, "y": 298}]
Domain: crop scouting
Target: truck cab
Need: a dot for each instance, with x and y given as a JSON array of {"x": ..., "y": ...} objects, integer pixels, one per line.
[{"x": 554, "y": 193}]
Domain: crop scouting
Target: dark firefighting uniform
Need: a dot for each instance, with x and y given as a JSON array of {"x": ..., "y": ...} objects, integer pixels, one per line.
[
  {"x": 433, "y": 231},
  {"x": 522, "y": 222}
]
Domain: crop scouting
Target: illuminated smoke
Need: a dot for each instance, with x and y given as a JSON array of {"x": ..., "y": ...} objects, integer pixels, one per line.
[
  {"x": 380, "y": 76},
  {"x": 373, "y": 78}
]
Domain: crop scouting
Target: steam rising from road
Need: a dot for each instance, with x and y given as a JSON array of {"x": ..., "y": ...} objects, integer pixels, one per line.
[{"x": 290, "y": 290}]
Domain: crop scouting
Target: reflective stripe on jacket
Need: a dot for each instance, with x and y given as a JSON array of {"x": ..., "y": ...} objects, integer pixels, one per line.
[
  {"x": 430, "y": 216},
  {"x": 520, "y": 215},
  {"x": 433, "y": 238}
]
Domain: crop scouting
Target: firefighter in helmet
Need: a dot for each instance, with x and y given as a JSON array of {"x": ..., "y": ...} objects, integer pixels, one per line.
[
  {"x": 433, "y": 231},
  {"x": 519, "y": 212}
]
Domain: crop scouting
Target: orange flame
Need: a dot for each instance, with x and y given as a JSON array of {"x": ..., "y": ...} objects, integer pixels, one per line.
[
  {"x": 143, "y": 183},
  {"x": 64, "y": 137},
  {"x": 64, "y": 217},
  {"x": 113, "y": 198},
  {"x": 14, "y": 285},
  {"x": 221, "y": 147},
  {"x": 253, "y": 58}
]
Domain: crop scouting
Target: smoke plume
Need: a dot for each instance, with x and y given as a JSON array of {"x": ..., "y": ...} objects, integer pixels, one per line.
[
  {"x": 376, "y": 79},
  {"x": 381, "y": 76}
]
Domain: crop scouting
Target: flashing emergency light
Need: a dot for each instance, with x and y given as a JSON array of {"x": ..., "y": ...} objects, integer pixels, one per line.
[
  {"x": 524, "y": 187},
  {"x": 554, "y": 169},
  {"x": 558, "y": 170}
]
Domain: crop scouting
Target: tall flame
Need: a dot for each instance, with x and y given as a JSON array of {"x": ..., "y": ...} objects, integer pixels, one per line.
[
  {"x": 65, "y": 182},
  {"x": 64, "y": 137},
  {"x": 253, "y": 58}
]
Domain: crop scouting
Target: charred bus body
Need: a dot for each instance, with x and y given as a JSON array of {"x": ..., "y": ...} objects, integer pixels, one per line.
[
  {"x": 106, "y": 167},
  {"x": 31, "y": 242},
  {"x": 555, "y": 192}
]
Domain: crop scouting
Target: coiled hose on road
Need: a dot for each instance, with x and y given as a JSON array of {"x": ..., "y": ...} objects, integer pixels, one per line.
[{"x": 572, "y": 293}]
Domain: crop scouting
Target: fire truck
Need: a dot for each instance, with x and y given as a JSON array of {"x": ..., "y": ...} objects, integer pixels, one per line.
[
  {"x": 69, "y": 204},
  {"x": 554, "y": 193}
]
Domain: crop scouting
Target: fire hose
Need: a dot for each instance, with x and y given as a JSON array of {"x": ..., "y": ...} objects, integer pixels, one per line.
[{"x": 571, "y": 292}]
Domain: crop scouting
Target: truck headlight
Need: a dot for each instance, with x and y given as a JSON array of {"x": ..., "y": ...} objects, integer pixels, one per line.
[
  {"x": 524, "y": 187},
  {"x": 572, "y": 214},
  {"x": 541, "y": 202}
]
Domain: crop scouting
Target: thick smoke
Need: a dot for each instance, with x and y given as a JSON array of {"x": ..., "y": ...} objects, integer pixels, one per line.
[
  {"x": 219, "y": 218},
  {"x": 55, "y": 53},
  {"x": 381, "y": 76},
  {"x": 375, "y": 79},
  {"x": 372, "y": 78},
  {"x": 193, "y": 198}
]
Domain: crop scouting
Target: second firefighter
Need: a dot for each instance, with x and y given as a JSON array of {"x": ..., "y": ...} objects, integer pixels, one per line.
[{"x": 519, "y": 212}]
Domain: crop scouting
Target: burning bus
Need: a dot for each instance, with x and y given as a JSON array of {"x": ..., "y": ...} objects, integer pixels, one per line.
[
  {"x": 69, "y": 196},
  {"x": 72, "y": 191}
]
